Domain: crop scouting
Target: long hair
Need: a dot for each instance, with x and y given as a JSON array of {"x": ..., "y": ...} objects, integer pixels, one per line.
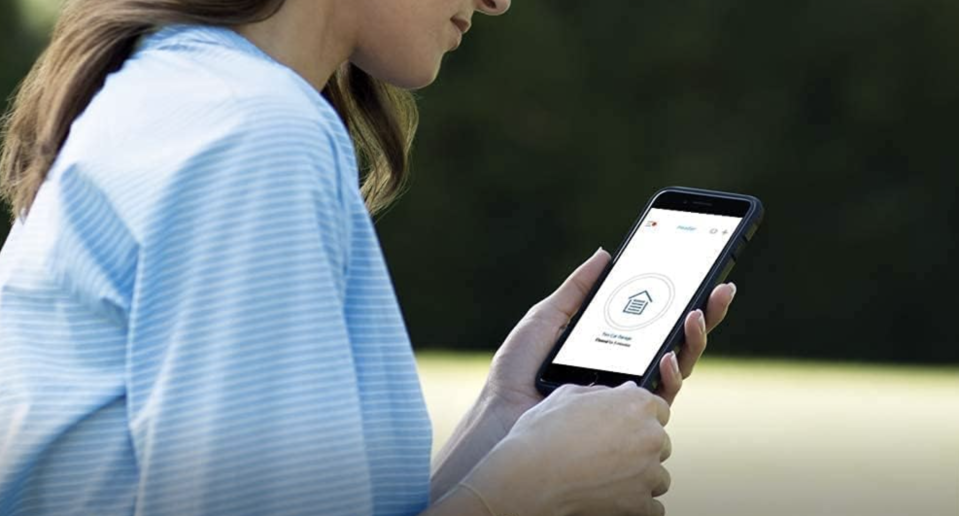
[{"x": 92, "y": 38}]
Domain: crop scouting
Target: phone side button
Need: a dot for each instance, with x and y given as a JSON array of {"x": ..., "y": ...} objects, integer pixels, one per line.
[
  {"x": 739, "y": 248},
  {"x": 729, "y": 268}
]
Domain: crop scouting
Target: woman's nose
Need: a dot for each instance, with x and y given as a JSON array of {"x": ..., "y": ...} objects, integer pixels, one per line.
[{"x": 492, "y": 7}]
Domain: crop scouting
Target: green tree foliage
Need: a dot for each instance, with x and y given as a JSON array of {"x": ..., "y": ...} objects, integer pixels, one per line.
[{"x": 551, "y": 126}]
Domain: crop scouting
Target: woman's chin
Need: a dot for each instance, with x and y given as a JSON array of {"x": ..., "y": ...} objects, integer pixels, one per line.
[
  {"x": 414, "y": 81},
  {"x": 408, "y": 77}
]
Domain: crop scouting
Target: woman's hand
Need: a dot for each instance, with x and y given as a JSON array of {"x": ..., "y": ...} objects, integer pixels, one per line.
[
  {"x": 511, "y": 382},
  {"x": 584, "y": 450},
  {"x": 510, "y": 389}
]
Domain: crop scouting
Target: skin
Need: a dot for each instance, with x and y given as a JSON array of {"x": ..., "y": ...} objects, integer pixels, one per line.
[
  {"x": 524, "y": 454},
  {"x": 398, "y": 41},
  {"x": 510, "y": 461}
]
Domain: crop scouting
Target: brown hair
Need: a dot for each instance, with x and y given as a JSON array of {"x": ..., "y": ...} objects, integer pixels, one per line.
[{"x": 92, "y": 38}]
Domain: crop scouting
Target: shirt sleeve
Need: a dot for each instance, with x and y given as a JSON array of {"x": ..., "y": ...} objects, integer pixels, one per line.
[{"x": 242, "y": 396}]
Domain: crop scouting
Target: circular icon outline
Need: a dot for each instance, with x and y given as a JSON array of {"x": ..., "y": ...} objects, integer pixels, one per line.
[{"x": 653, "y": 275}]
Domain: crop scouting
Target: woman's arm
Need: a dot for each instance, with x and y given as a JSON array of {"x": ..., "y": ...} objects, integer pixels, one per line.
[
  {"x": 459, "y": 502},
  {"x": 486, "y": 423},
  {"x": 238, "y": 346},
  {"x": 557, "y": 461},
  {"x": 510, "y": 391}
]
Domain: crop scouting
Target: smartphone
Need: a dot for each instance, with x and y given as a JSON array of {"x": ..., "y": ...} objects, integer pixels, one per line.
[{"x": 684, "y": 244}]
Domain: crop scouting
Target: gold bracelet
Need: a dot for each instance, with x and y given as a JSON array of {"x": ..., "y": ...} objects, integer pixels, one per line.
[{"x": 477, "y": 494}]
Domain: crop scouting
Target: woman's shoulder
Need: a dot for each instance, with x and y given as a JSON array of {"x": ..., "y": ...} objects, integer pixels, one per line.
[
  {"x": 191, "y": 113},
  {"x": 215, "y": 76}
]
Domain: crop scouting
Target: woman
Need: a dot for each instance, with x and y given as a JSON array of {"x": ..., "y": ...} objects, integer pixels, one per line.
[{"x": 195, "y": 314}]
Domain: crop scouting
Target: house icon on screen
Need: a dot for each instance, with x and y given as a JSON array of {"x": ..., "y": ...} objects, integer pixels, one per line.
[{"x": 637, "y": 303}]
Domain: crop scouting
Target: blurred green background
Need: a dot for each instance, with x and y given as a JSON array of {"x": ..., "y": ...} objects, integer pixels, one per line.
[{"x": 550, "y": 128}]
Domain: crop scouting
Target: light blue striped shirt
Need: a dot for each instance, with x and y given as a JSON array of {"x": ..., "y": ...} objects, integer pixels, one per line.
[{"x": 196, "y": 318}]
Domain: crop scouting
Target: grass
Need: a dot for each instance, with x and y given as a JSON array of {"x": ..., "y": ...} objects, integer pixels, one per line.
[{"x": 784, "y": 438}]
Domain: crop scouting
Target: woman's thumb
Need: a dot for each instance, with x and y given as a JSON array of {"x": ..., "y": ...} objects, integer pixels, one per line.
[{"x": 570, "y": 295}]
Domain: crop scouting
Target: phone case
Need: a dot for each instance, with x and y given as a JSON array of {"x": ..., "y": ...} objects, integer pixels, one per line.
[{"x": 717, "y": 275}]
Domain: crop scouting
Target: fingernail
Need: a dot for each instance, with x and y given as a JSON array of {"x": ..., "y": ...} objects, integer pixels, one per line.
[
  {"x": 702, "y": 321},
  {"x": 674, "y": 363},
  {"x": 732, "y": 292}
]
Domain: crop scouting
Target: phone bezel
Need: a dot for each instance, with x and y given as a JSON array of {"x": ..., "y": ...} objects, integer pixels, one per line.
[{"x": 551, "y": 376}]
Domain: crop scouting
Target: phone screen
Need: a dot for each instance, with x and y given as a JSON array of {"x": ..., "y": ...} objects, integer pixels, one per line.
[{"x": 646, "y": 291}]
